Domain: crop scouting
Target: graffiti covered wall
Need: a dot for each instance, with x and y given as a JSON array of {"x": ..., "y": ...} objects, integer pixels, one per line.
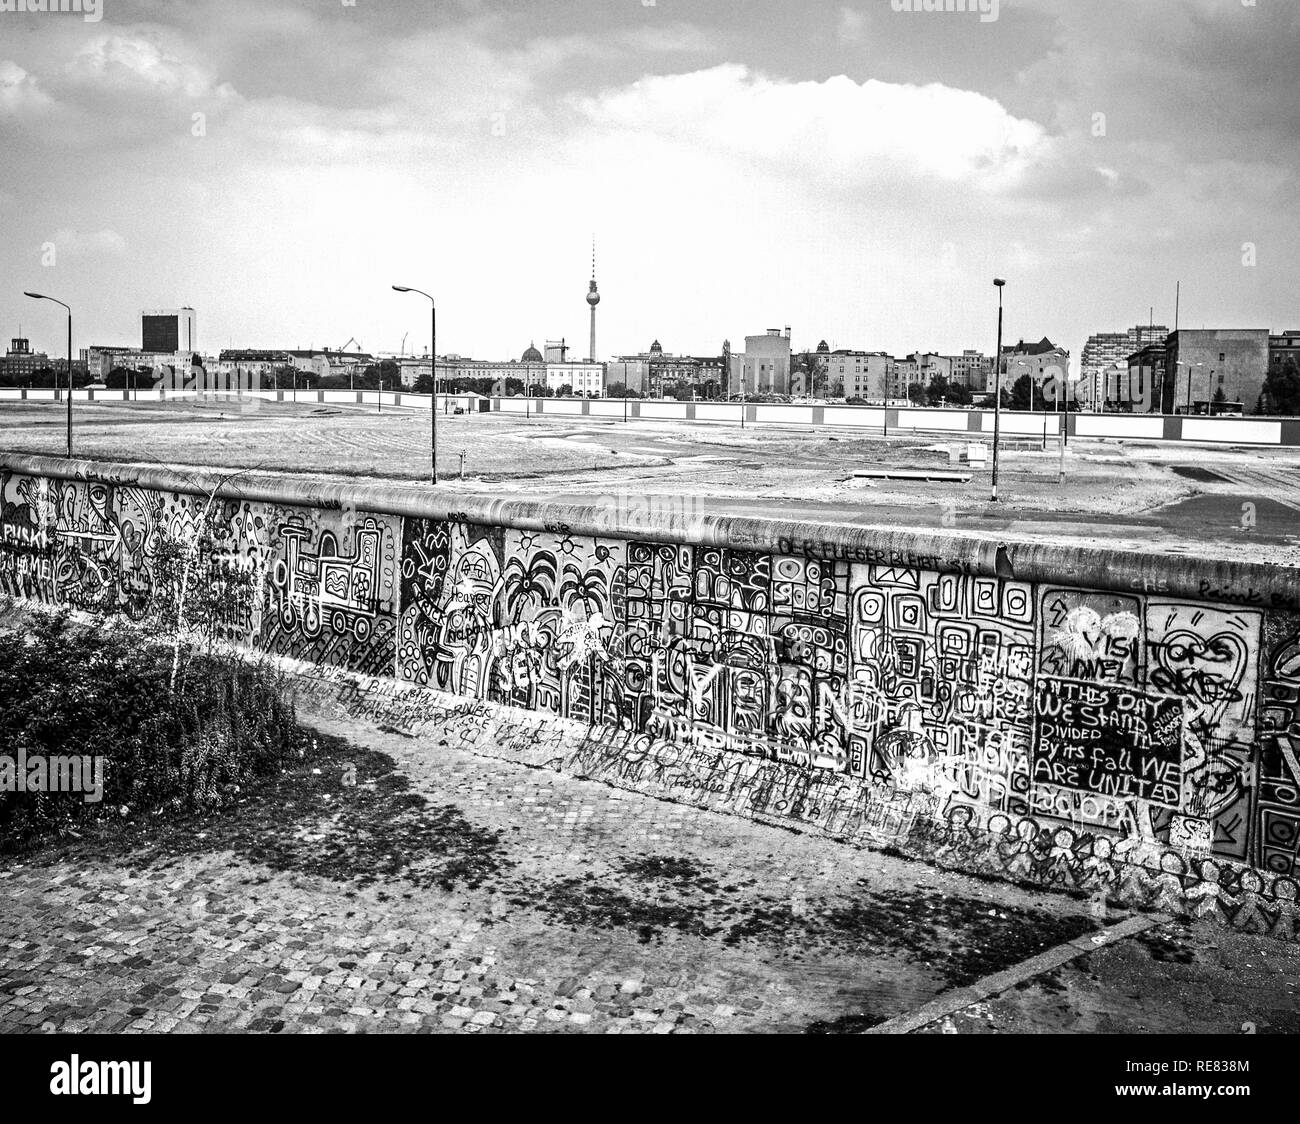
[{"x": 1151, "y": 720}]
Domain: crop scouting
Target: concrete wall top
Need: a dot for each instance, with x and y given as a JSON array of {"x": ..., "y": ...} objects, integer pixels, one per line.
[{"x": 634, "y": 516}]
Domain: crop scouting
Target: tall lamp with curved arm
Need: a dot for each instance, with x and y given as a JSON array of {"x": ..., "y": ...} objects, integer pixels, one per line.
[
  {"x": 43, "y": 297},
  {"x": 433, "y": 366}
]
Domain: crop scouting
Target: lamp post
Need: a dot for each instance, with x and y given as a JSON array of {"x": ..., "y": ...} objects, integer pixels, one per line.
[
  {"x": 1061, "y": 392},
  {"x": 1065, "y": 429},
  {"x": 433, "y": 367},
  {"x": 997, "y": 389},
  {"x": 1189, "y": 366},
  {"x": 1060, "y": 395},
  {"x": 43, "y": 297}
]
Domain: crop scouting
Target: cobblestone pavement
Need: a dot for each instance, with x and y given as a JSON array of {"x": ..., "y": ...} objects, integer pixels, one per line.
[
  {"x": 1175, "y": 978},
  {"x": 389, "y": 884}
]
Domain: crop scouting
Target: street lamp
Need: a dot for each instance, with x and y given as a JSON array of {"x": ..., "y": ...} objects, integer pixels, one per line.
[
  {"x": 997, "y": 389},
  {"x": 43, "y": 297},
  {"x": 1060, "y": 396},
  {"x": 1061, "y": 393},
  {"x": 433, "y": 368},
  {"x": 1189, "y": 366}
]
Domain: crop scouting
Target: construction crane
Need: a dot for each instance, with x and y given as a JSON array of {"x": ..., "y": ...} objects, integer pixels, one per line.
[{"x": 343, "y": 349}]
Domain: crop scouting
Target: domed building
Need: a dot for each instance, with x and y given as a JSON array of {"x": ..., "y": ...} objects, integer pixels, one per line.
[{"x": 532, "y": 355}]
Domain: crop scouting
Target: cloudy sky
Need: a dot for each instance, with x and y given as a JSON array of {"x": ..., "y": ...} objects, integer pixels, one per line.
[{"x": 856, "y": 172}]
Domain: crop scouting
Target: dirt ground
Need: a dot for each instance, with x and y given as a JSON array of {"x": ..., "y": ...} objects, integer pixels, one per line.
[{"x": 1135, "y": 495}]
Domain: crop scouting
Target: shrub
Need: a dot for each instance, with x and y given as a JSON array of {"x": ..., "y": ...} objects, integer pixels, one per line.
[{"x": 73, "y": 691}]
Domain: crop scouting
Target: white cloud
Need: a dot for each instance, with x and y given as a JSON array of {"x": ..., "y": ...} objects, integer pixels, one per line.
[
  {"x": 869, "y": 132},
  {"x": 476, "y": 157},
  {"x": 138, "y": 61},
  {"x": 112, "y": 92},
  {"x": 19, "y": 91}
]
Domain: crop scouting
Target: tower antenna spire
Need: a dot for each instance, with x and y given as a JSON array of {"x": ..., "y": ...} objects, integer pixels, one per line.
[{"x": 593, "y": 299}]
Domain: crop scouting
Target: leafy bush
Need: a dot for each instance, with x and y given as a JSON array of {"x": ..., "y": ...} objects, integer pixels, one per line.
[{"x": 73, "y": 691}]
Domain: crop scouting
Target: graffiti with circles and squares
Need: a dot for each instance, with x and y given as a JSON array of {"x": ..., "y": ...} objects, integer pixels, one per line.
[{"x": 1110, "y": 722}]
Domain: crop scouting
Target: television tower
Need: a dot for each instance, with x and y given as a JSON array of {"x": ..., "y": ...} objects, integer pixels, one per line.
[{"x": 593, "y": 299}]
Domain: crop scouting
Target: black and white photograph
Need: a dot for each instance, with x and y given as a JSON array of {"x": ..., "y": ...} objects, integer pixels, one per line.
[{"x": 774, "y": 521}]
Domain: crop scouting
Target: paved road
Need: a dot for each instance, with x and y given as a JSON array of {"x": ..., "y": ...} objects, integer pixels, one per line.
[
  {"x": 389, "y": 884},
  {"x": 449, "y": 892}
]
